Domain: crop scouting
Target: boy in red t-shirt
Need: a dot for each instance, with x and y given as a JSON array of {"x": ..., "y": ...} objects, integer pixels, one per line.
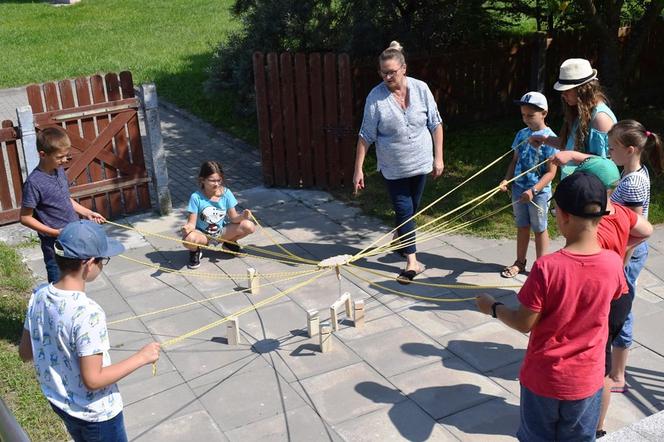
[{"x": 564, "y": 303}]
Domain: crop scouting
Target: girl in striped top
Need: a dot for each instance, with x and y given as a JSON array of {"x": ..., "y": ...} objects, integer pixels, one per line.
[{"x": 629, "y": 144}]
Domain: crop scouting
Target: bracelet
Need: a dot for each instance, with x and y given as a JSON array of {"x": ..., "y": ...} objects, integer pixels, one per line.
[{"x": 493, "y": 308}]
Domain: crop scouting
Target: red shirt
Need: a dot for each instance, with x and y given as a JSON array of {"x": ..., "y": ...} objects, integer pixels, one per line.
[
  {"x": 565, "y": 355},
  {"x": 613, "y": 230}
]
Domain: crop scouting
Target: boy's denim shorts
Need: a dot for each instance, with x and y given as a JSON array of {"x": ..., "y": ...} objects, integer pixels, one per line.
[
  {"x": 526, "y": 214},
  {"x": 112, "y": 430},
  {"x": 545, "y": 419}
]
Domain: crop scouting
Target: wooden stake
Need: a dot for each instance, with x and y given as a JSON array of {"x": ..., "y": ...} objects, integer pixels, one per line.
[
  {"x": 334, "y": 316},
  {"x": 325, "y": 337},
  {"x": 358, "y": 319},
  {"x": 313, "y": 322},
  {"x": 233, "y": 332},
  {"x": 349, "y": 304},
  {"x": 252, "y": 276}
]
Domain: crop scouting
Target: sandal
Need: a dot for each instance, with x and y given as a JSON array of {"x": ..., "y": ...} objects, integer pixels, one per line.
[
  {"x": 514, "y": 269},
  {"x": 406, "y": 276}
]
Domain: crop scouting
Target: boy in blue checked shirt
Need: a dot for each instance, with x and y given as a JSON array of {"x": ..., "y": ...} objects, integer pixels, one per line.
[{"x": 532, "y": 191}]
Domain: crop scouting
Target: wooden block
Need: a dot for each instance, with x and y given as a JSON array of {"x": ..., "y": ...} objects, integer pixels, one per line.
[
  {"x": 325, "y": 333},
  {"x": 334, "y": 317},
  {"x": 313, "y": 322},
  {"x": 233, "y": 332},
  {"x": 349, "y": 305},
  {"x": 252, "y": 277},
  {"x": 358, "y": 319}
]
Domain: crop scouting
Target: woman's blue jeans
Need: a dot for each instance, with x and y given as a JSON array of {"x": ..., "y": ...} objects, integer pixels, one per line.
[{"x": 406, "y": 194}]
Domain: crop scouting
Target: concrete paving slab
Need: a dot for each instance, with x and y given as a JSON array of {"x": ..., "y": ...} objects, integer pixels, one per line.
[
  {"x": 487, "y": 346},
  {"x": 261, "y": 198},
  {"x": 443, "y": 389},
  {"x": 197, "y": 425},
  {"x": 496, "y": 420},
  {"x": 301, "y": 424},
  {"x": 249, "y": 405},
  {"x": 398, "y": 350},
  {"x": 643, "y": 331},
  {"x": 350, "y": 392},
  {"x": 402, "y": 421},
  {"x": 151, "y": 280}
]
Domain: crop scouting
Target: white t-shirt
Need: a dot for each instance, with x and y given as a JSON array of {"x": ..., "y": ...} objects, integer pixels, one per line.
[{"x": 65, "y": 325}]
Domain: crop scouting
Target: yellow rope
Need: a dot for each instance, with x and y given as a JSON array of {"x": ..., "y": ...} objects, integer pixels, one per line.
[
  {"x": 211, "y": 275},
  {"x": 202, "y": 301},
  {"x": 431, "y": 284},
  {"x": 241, "y": 312},
  {"x": 207, "y": 247},
  {"x": 400, "y": 293},
  {"x": 444, "y": 196}
]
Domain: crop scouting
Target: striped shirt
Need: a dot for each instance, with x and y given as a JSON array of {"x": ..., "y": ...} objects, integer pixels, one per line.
[{"x": 634, "y": 190}]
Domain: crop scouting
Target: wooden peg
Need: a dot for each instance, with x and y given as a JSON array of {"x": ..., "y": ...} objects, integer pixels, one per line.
[
  {"x": 334, "y": 314},
  {"x": 358, "y": 319},
  {"x": 313, "y": 322},
  {"x": 252, "y": 276},
  {"x": 325, "y": 337},
  {"x": 348, "y": 304},
  {"x": 233, "y": 332}
]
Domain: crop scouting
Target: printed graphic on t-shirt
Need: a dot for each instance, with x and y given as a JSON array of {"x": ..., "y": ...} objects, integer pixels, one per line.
[{"x": 213, "y": 217}]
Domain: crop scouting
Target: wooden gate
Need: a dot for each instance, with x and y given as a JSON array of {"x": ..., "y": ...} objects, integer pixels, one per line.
[
  {"x": 107, "y": 170},
  {"x": 305, "y": 119},
  {"x": 11, "y": 180}
]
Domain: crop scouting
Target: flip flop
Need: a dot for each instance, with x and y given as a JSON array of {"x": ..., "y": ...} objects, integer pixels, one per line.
[
  {"x": 510, "y": 272},
  {"x": 406, "y": 276},
  {"x": 622, "y": 389}
]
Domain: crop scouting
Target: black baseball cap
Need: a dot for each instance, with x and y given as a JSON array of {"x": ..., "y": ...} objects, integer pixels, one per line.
[{"x": 574, "y": 193}]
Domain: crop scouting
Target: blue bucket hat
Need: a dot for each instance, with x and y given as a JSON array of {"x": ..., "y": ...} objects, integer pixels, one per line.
[{"x": 84, "y": 240}]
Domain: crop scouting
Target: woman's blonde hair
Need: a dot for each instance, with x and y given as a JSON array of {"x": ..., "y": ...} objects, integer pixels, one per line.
[
  {"x": 393, "y": 52},
  {"x": 589, "y": 95}
]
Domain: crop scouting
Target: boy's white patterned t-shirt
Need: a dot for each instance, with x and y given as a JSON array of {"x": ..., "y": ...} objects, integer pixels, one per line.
[{"x": 64, "y": 326}]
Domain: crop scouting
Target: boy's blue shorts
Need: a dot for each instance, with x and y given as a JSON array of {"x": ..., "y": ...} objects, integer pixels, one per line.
[
  {"x": 526, "y": 214},
  {"x": 546, "y": 419}
]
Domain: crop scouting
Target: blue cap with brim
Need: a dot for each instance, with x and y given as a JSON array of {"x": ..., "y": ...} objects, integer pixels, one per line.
[{"x": 84, "y": 240}]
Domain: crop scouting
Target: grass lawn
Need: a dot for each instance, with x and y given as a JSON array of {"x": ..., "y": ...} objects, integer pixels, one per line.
[
  {"x": 167, "y": 42},
  {"x": 18, "y": 385}
]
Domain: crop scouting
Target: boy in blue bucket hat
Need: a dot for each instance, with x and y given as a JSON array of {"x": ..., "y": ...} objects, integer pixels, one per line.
[{"x": 65, "y": 335}]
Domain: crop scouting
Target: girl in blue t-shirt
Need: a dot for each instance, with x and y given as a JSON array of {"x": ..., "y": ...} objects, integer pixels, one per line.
[{"x": 212, "y": 215}]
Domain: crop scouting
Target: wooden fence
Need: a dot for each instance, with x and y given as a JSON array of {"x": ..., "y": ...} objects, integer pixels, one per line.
[
  {"x": 11, "y": 180},
  {"x": 107, "y": 170},
  {"x": 305, "y": 119}
]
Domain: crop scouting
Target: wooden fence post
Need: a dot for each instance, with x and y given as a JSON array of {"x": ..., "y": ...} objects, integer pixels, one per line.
[
  {"x": 538, "y": 67},
  {"x": 156, "y": 147},
  {"x": 26, "y": 123}
]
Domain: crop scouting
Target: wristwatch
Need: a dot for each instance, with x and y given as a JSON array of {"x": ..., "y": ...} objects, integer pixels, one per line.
[{"x": 493, "y": 308}]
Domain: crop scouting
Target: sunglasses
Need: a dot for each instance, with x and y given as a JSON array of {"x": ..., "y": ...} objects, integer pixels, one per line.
[{"x": 103, "y": 261}]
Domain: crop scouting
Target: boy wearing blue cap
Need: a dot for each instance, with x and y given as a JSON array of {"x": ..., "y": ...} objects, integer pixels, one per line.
[
  {"x": 532, "y": 191},
  {"x": 65, "y": 335}
]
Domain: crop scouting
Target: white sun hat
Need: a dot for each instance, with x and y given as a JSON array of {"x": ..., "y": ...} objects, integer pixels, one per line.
[{"x": 574, "y": 72}]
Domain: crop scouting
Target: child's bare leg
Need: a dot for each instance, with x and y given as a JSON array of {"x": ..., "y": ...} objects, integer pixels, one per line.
[
  {"x": 618, "y": 366},
  {"x": 197, "y": 237},
  {"x": 522, "y": 239},
  {"x": 541, "y": 243},
  {"x": 237, "y": 231},
  {"x": 606, "y": 399}
]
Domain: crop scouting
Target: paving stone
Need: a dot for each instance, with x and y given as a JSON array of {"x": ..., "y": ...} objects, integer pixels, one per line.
[
  {"x": 644, "y": 327},
  {"x": 398, "y": 350},
  {"x": 349, "y": 392},
  {"x": 487, "y": 346},
  {"x": 301, "y": 424},
  {"x": 443, "y": 389},
  {"x": 232, "y": 404},
  {"x": 402, "y": 421},
  {"x": 496, "y": 420},
  {"x": 197, "y": 425},
  {"x": 150, "y": 280}
]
